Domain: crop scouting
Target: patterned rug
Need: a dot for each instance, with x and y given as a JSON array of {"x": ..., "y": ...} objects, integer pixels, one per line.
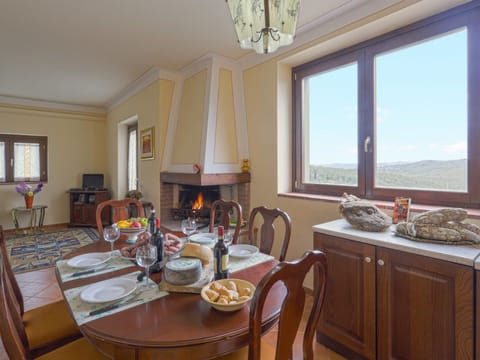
[{"x": 37, "y": 251}]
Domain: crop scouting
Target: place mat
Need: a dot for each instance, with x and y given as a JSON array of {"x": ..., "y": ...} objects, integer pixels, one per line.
[
  {"x": 81, "y": 309},
  {"x": 237, "y": 264},
  {"x": 195, "y": 288},
  {"x": 115, "y": 263}
]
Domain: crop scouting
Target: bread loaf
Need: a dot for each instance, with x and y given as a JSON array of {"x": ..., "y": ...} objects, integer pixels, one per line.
[{"x": 202, "y": 252}]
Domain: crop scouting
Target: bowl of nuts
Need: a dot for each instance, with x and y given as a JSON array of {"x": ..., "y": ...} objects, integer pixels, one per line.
[{"x": 228, "y": 294}]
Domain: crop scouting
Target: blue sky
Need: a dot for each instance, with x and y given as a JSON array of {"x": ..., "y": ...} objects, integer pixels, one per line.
[{"x": 421, "y": 105}]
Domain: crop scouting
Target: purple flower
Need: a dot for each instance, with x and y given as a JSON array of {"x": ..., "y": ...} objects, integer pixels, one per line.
[{"x": 24, "y": 189}]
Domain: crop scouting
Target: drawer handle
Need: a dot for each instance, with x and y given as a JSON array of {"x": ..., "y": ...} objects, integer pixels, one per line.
[
  {"x": 381, "y": 262},
  {"x": 368, "y": 259}
]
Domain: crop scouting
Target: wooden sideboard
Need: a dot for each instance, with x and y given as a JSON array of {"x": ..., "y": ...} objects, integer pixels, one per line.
[
  {"x": 385, "y": 303},
  {"x": 83, "y": 207}
]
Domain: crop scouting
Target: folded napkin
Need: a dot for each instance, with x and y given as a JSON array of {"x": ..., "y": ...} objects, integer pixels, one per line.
[
  {"x": 237, "y": 264},
  {"x": 81, "y": 310},
  {"x": 115, "y": 263}
]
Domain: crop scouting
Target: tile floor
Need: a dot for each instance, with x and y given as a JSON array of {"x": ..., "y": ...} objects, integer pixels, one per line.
[{"x": 40, "y": 287}]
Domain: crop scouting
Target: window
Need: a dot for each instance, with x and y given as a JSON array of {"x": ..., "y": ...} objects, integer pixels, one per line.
[
  {"x": 132, "y": 158},
  {"x": 23, "y": 158},
  {"x": 394, "y": 116}
]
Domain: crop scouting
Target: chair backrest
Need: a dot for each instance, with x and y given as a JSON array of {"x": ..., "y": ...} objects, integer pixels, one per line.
[
  {"x": 222, "y": 209},
  {"x": 292, "y": 275},
  {"x": 119, "y": 210},
  {"x": 9, "y": 272},
  {"x": 267, "y": 229},
  {"x": 12, "y": 329}
]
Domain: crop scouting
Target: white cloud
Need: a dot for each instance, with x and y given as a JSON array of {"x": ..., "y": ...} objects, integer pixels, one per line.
[
  {"x": 382, "y": 114},
  {"x": 397, "y": 148},
  {"x": 460, "y": 147}
]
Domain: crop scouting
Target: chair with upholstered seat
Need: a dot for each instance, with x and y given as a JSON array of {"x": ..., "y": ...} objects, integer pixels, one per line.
[
  {"x": 118, "y": 210},
  {"x": 267, "y": 229},
  {"x": 46, "y": 327},
  {"x": 15, "y": 338},
  {"x": 292, "y": 275},
  {"x": 226, "y": 211}
]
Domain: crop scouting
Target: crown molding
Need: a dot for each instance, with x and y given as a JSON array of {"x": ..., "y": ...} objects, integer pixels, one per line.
[{"x": 31, "y": 103}]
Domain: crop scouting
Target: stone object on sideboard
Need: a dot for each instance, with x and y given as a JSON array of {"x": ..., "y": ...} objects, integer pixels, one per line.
[
  {"x": 363, "y": 215},
  {"x": 445, "y": 226}
]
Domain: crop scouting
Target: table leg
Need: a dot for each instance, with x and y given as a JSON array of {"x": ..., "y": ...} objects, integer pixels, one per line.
[
  {"x": 33, "y": 218},
  {"x": 15, "y": 220},
  {"x": 42, "y": 218}
]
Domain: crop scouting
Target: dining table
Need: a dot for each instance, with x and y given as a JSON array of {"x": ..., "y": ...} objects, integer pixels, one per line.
[{"x": 173, "y": 325}]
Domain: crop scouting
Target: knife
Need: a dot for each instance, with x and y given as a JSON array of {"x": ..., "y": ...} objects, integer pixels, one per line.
[
  {"x": 91, "y": 271},
  {"x": 128, "y": 300}
]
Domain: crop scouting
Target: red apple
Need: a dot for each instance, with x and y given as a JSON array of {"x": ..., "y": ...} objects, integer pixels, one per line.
[{"x": 136, "y": 224}]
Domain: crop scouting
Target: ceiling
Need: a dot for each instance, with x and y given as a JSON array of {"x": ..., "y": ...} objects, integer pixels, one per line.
[{"x": 86, "y": 52}]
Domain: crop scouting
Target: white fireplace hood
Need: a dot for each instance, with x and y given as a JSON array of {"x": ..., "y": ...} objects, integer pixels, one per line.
[{"x": 207, "y": 123}]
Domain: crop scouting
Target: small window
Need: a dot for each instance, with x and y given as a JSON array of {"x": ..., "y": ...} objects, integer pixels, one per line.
[
  {"x": 23, "y": 158},
  {"x": 132, "y": 158}
]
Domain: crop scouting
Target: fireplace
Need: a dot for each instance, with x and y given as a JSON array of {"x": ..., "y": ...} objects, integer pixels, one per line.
[
  {"x": 180, "y": 195},
  {"x": 194, "y": 200}
]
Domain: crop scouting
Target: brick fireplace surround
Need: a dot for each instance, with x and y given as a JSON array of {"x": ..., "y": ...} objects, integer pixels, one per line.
[{"x": 232, "y": 187}]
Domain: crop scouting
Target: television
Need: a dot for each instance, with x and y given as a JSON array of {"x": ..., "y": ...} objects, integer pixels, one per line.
[{"x": 92, "y": 181}]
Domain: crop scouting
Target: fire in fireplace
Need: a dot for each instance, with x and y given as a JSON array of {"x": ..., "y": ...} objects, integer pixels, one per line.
[{"x": 195, "y": 201}]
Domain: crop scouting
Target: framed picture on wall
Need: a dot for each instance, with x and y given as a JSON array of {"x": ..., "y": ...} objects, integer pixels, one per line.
[{"x": 147, "y": 143}]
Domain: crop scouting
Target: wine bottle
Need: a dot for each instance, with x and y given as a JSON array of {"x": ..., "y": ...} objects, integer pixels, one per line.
[
  {"x": 220, "y": 256},
  {"x": 157, "y": 240},
  {"x": 152, "y": 223}
]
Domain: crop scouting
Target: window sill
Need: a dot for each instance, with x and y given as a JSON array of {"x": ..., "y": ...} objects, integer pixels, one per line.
[{"x": 386, "y": 205}]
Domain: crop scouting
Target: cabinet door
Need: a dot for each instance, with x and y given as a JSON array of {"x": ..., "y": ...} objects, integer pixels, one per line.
[
  {"x": 424, "y": 307},
  {"x": 348, "y": 315}
]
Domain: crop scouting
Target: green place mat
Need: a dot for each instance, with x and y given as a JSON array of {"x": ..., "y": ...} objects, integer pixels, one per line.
[{"x": 81, "y": 309}]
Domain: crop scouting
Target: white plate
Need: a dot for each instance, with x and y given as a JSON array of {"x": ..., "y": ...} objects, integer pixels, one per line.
[
  {"x": 203, "y": 238},
  {"x": 88, "y": 260},
  {"x": 108, "y": 290},
  {"x": 242, "y": 250}
]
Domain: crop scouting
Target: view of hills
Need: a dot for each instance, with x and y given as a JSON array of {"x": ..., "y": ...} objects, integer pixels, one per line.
[{"x": 425, "y": 174}]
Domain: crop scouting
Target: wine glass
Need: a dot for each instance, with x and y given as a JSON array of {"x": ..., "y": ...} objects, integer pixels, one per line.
[
  {"x": 189, "y": 226},
  {"x": 111, "y": 234},
  {"x": 147, "y": 256}
]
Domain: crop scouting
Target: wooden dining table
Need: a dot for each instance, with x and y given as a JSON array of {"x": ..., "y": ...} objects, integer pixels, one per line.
[{"x": 176, "y": 326}]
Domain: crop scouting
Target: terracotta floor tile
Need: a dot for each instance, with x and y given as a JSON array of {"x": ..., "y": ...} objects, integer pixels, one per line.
[{"x": 51, "y": 292}]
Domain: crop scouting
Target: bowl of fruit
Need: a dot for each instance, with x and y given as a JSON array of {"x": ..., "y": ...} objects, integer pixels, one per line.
[{"x": 132, "y": 227}]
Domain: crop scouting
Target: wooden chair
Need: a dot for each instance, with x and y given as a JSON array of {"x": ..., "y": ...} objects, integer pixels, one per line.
[
  {"x": 292, "y": 275},
  {"x": 267, "y": 229},
  {"x": 46, "y": 327},
  {"x": 14, "y": 336},
  {"x": 119, "y": 210},
  {"x": 222, "y": 209}
]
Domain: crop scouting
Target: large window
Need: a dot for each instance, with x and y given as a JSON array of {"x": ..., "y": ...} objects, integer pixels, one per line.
[
  {"x": 397, "y": 115},
  {"x": 23, "y": 158}
]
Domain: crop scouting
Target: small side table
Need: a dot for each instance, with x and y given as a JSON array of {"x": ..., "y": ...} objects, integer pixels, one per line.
[{"x": 37, "y": 216}]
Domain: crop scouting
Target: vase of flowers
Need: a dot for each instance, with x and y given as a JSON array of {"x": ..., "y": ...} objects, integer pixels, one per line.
[
  {"x": 134, "y": 194},
  {"x": 28, "y": 192}
]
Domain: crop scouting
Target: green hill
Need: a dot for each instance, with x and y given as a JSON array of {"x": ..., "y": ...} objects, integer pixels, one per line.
[{"x": 427, "y": 174}]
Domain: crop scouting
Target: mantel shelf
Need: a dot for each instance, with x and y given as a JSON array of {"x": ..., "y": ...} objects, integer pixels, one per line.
[{"x": 204, "y": 179}]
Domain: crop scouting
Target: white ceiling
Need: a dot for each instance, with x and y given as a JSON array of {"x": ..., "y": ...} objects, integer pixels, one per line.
[{"x": 86, "y": 52}]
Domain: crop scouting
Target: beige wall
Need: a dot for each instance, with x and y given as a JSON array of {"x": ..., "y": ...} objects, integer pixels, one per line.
[
  {"x": 76, "y": 145},
  {"x": 151, "y": 106},
  {"x": 270, "y": 158}
]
